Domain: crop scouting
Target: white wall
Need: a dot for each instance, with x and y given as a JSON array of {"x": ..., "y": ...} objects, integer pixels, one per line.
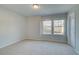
[
  {"x": 15, "y": 27},
  {"x": 77, "y": 27},
  {"x": 76, "y": 11},
  {"x": 12, "y": 27},
  {"x": 71, "y": 23},
  {"x": 34, "y": 28}
]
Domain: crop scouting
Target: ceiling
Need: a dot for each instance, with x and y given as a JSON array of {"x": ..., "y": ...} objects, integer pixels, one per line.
[{"x": 45, "y": 9}]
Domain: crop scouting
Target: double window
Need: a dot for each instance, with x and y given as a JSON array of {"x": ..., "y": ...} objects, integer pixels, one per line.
[{"x": 55, "y": 27}]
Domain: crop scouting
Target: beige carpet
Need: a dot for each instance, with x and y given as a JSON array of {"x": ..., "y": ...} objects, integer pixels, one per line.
[{"x": 28, "y": 47}]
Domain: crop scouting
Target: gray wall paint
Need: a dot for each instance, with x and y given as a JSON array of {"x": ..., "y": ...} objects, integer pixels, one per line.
[
  {"x": 12, "y": 27},
  {"x": 34, "y": 28}
]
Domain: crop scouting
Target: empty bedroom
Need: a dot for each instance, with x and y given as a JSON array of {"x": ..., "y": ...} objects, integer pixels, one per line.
[{"x": 39, "y": 29}]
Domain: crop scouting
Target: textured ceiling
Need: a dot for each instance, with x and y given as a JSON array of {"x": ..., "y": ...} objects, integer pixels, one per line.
[{"x": 45, "y": 9}]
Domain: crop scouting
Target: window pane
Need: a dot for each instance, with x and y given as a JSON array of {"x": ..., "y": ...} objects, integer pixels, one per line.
[
  {"x": 47, "y": 27},
  {"x": 59, "y": 27},
  {"x": 56, "y": 23}
]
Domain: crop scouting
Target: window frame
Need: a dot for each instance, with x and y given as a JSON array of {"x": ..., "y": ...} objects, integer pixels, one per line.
[
  {"x": 52, "y": 28},
  {"x": 58, "y": 26},
  {"x": 42, "y": 27}
]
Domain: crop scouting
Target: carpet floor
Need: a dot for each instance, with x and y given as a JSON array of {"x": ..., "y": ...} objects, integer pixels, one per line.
[{"x": 29, "y": 47}]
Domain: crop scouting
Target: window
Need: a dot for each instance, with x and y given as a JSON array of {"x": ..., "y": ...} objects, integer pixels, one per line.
[
  {"x": 58, "y": 28},
  {"x": 47, "y": 27}
]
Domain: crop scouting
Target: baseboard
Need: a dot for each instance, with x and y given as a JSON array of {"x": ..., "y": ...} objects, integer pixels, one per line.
[
  {"x": 46, "y": 40},
  {"x": 10, "y": 43}
]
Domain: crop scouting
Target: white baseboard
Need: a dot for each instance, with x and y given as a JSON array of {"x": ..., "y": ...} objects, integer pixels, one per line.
[{"x": 10, "y": 43}]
